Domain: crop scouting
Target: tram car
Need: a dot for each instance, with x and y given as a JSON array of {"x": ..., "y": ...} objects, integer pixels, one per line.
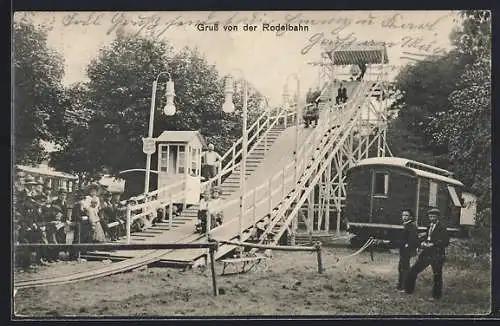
[
  {"x": 379, "y": 188},
  {"x": 134, "y": 182}
]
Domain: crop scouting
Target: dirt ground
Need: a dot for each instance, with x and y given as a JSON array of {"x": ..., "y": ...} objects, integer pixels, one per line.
[{"x": 290, "y": 285}]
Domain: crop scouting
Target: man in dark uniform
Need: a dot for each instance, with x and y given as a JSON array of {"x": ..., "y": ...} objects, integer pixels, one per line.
[
  {"x": 316, "y": 96},
  {"x": 81, "y": 227},
  {"x": 62, "y": 211},
  {"x": 344, "y": 94},
  {"x": 106, "y": 214},
  {"x": 39, "y": 229},
  {"x": 433, "y": 253},
  {"x": 339, "y": 97},
  {"x": 408, "y": 245}
]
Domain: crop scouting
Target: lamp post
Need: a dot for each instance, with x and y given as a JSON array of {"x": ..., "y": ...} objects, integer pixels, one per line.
[
  {"x": 228, "y": 107},
  {"x": 169, "y": 110}
]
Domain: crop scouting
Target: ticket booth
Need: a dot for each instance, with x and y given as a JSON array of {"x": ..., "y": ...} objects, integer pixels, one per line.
[{"x": 179, "y": 157}]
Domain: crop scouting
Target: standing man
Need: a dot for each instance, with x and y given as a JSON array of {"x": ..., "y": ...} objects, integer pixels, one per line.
[
  {"x": 407, "y": 246},
  {"x": 339, "y": 97},
  {"x": 209, "y": 162},
  {"x": 433, "y": 253},
  {"x": 344, "y": 94}
]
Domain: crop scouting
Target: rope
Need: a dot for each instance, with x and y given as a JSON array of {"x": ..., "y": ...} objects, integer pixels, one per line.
[{"x": 360, "y": 250}]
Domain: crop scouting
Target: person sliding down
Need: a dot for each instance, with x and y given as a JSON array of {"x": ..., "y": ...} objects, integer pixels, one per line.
[
  {"x": 201, "y": 225},
  {"x": 213, "y": 208},
  {"x": 339, "y": 97}
]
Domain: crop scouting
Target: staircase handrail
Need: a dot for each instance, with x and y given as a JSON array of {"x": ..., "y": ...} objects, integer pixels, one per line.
[
  {"x": 351, "y": 122},
  {"x": 281, "y": 174},
  {"x": 268, "y": 123},
  {"x": 316, "y": 155},
  {"x": 324, "y": 124}
]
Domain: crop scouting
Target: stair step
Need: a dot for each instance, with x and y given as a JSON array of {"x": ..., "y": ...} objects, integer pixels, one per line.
[
  {"x": 149, "y": 231},
  {"x": 230, "y": 181},
  {"x": 137, "y": 239},
  {"x": 142, "y": 234}
]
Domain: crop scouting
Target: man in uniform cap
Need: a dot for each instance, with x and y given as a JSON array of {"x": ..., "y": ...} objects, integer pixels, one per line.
[
  {"x": 408, "y": 245},
  {"x": 433, "y": 253},
  {"x": 210, "y": 160},
  {"x": 62, "y": 214}
]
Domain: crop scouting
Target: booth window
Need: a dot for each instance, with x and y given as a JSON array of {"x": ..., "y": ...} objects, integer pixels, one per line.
[
  {"x": 56, "y": 184},
  {"x": 181, "y": 159},
  {"x": 164, "y": 159},
  {"x": 381, "y": 184},
  {"x": 454, "y": 196},
  {"x": 194, "y": 161},
  {"x": 433, "y": 194}
]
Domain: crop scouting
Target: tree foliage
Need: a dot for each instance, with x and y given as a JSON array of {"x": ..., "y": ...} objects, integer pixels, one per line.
[
  {"x": 117, "y": 100},
  {"x": 447, "y": 103},
  {"x": 38, "y": 72}
]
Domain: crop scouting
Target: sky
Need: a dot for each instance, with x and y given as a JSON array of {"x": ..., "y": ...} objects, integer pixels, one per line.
[{"x": 265, "y": 58}]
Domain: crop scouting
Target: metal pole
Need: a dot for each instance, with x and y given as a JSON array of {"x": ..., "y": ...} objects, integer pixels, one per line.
[
  {"x": 212, "y": 269},
  {"x": 243, "y": 158},
  {"x": 150, "y": 135},
  {"x": 170, "y": 212},
  {"x": 319, "y": 258},
  {"x": 128, "y": 223}
]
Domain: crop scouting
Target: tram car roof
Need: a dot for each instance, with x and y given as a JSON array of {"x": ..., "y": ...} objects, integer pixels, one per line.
[
  {"x": 46, "y": 171},
  {"x": 419, "y": 169}
]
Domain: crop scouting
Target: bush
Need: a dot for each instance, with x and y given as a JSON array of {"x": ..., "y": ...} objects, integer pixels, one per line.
[{"x": 481, "y": 234}]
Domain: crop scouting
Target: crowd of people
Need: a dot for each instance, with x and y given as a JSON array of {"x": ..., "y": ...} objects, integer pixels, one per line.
[{"x": 49, "y": 216}]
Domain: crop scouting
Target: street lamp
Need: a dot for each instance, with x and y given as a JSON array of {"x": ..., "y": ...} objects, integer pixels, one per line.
[
  {"x": 286, "y": 95},
  {"x": 169, "y": 110},
  {"x": 228, "y": 107}
]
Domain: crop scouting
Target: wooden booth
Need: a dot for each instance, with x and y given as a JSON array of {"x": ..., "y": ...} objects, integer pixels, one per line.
[
  {"x": 379, "y": 188},
  {"x": 179, "y": 157}
]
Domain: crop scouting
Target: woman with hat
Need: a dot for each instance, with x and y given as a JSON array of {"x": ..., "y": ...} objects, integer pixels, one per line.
[
  {"x": 92, "y": 212},
  {"x": 433, "y": 254}
]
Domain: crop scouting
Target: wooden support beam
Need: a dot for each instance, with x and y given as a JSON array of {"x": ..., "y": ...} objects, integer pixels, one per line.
[{"x": 117, "y": 246}]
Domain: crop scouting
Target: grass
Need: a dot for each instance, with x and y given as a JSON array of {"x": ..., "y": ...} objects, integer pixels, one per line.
[{"x": 290, "y": 286}]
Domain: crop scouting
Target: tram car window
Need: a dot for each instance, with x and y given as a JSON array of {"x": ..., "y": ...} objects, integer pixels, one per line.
[
  {"x": 134, "y": 182},
  {"x": 379, "y": 188}
]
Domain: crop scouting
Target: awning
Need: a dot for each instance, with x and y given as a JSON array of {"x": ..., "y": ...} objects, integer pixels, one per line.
[
  {"x": 359, "y": 53},
  {"x": 454, "y": 196}
]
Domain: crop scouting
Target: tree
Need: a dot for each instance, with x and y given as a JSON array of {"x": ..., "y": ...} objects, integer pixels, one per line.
[
  {"x": 38, "y": 72},
  {"x": 426, "y": 86},
  {"x": 403, "y": 142},
  {"x": 119, "y": 97},
  {"x": 467, "y": 127},
  {"x": 448, "y": 103}
]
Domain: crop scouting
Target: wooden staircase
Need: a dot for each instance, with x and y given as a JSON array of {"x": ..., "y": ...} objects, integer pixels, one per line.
[
  {"x": 188, "y": 214},
  {"x": 232, "y": 183},
  {"x": 148, "y": 235}
]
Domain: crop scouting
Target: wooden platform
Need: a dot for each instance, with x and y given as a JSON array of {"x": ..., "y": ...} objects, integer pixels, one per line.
[{"x": 183, "y": 228}]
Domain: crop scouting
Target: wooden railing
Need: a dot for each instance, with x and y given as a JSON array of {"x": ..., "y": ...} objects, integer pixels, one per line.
[
  {"x": 314, "y": 149},
  {"x": 148, "y": 205},
  {"x": 257, "y": 133},
  {"x": 286, "y": 178}
]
